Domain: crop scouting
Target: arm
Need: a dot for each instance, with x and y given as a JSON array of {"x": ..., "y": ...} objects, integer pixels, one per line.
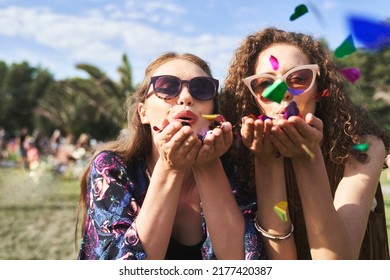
[
  {"x": 354, "y": 207},
  {"x": 111, "y": 210},
  {"x": 158, "y": 211},
  {"x": 270, "y": 187},
  {"x": 224, "y": 220},
  {"x": 335, "y": 227}
]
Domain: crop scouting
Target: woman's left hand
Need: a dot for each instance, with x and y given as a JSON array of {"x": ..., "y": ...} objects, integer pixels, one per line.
[
  {"x": 297, "y": 137},
  {"x": 215, "y": 144}
]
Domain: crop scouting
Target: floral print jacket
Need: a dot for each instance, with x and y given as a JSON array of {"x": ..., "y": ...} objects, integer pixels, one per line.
[{"x": 115, "y": 194}]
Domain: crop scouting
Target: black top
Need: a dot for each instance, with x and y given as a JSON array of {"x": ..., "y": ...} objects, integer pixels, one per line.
[{"x": 178, "y": 251}]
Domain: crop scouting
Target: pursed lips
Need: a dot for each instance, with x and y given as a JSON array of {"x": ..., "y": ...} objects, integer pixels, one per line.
[{"x": 186, "y": 116}]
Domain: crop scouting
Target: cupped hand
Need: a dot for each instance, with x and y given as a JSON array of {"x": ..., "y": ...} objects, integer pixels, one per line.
[
  {"x": 215, "y": 143},
  {"x": 255, "y": 136},
  {"x": 297, "y": 137},
  {"x": 177, "y": 145}
]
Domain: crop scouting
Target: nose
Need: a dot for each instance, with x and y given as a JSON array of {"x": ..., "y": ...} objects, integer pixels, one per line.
[
  {"x": 185, "y": 97},
  {"x": 288, "y": 96}
]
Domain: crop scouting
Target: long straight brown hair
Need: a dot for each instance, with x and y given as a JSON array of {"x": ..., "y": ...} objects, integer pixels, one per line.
[{"x": 135, "y": 141}]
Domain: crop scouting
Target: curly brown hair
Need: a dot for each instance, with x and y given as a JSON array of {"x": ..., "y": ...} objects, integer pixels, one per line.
[
  {"x": 344, "y": 122},
  {"x": 135, "y": 141}
]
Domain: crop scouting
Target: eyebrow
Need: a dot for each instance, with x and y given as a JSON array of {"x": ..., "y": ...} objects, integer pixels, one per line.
[{"x": 273, "y": 73}]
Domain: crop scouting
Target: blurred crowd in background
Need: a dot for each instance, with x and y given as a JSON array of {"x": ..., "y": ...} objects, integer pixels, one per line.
[{"x": 65, "y": 155}]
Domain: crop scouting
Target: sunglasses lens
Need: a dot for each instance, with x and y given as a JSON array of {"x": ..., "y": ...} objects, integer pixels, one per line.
[
  {"x": 300, "y": 80},
  {"x": 167, "y": 87},
  {"x": 203, "y": 88},
  {"x": 259, "y": 84}
]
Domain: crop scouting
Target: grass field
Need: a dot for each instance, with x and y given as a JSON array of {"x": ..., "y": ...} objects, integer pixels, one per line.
[{"x": 38, "y": 213}]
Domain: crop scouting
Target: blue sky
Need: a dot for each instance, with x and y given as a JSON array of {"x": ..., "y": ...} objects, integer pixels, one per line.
[{"x": 57, "y": 34}]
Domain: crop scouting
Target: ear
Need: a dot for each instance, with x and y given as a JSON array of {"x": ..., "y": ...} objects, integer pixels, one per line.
[{"x": 142, "y": 112}]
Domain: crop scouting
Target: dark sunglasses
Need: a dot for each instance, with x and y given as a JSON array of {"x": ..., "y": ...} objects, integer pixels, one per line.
[{"x": 168, "y": 87}]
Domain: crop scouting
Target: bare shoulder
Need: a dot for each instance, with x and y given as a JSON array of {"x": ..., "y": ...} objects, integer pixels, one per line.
[
  {"x": 376, "y": 157},
  {"x": 376, "y": 147}
]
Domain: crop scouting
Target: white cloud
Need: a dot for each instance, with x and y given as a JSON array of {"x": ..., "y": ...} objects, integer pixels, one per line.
[
  {"x": 100, "y": 37},
  {"x": 329, "y": 5}
]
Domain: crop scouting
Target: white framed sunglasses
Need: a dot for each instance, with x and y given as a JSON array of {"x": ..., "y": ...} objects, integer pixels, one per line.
[{"x": 299, "y": 80}]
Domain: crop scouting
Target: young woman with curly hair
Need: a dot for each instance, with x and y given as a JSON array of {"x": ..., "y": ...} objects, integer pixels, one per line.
[{"x": 306, "y": 155}]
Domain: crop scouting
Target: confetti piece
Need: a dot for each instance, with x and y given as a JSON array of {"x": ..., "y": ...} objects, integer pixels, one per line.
[
  {"x": 276, "y": 91},
  {"x": 295, "y": 91},
  {"x": 346, "y": 48},
  {"x": 214, "y": 117},
  {"x": 363, "y": 147},
  {"x": 351, "y": 74},
  {"x": 300, "y": 10},
  {"x": 264, "y": 117},
  {"x": 373, "y": 34},
  {"x": 281, "y": 210},
  {"x": 274, "y": 62},
  {"x": 325, "y": 93},
  {"x": 308, "y": 151},
  {"x": 291, "y": 110}
]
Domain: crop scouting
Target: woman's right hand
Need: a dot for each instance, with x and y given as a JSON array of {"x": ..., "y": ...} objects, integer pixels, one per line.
[
  {"x": 255, "y": 136},
  {"x": 177, "y": 145}
]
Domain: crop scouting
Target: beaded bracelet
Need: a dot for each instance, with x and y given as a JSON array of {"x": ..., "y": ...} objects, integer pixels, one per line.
[{"x": 273, "y": 236}]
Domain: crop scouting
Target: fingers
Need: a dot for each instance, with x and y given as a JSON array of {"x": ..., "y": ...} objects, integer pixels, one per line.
[
  {"x": 220, "y": 138},
  {"x": 256, "y": 133},
  {"x": 314, "y": 122},
  {"x": 297, "y": 136},
  {"x": 178, "y": 145},
  {"x": 248, "y": 132}
]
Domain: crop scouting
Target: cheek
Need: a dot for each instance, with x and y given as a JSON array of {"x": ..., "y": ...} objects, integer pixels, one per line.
[
  {"x": 268, "y": 107},
  {"x": 306, "y": 104},
  {"x": 157, "y": 113}
]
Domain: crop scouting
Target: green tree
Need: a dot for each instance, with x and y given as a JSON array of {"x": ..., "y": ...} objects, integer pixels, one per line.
[
  {"x": 372, "y": 90},
  {"x": 21, "y": 88},
  {"x": 94, "y": 105}
]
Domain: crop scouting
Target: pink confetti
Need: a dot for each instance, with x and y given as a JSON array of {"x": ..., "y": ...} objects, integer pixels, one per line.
[
  {"x": 274, "y": 62},
  {"x": 264, "y": 117},
  {"x": 351, "y": 74}
]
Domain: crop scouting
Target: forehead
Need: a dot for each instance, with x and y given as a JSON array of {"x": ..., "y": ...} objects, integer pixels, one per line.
[
  {"x": 180, "y": 68},
  {"x": 288, "y": 56}
]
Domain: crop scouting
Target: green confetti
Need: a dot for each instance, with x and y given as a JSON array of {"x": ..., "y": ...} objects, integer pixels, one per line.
[
  {"x": 300, "y": 10},
  {"x": 346, "y": 48},
  {"x": 363, "y": 147},
  {"x": 281, "y": 210},
  {"x": 276, "y": 91}
]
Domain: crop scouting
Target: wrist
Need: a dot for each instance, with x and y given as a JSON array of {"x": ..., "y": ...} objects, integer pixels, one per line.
[
  {"x": 208, "y": 166},
  {"x": 268, "y": 160},
  {"x": 273, "y": 235},
  {"x": 308, "y": 154}
]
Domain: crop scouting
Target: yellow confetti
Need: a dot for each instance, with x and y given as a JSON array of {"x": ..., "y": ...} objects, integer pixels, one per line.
[
  {"x": 212, "y": 117},
  {"x": 281, "y": 210},
  {"x": 308, "y": 151}
]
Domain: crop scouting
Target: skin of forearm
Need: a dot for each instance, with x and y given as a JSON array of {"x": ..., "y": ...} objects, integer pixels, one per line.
[
  {"x": 158, "y": 211},
  {"x": 327, "y": 235},
  {"x": 270, "y": 189},
  {"x": 224, "y": 220}
]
